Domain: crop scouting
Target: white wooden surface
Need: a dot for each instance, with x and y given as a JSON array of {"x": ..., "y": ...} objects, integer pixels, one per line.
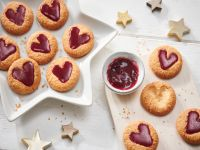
[{"x": 144, "y": 24}]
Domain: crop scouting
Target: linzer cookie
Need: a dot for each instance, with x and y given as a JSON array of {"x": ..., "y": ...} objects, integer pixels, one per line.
[
  {"x": 78, "y": 40},
  {"x": 166, "y": 62},
  {"x": 9, "y": 52},
  {"x": 17, "y": 18},
  {"x": 188, "y": 125},
  {"x": 158, "y": 98},
  {"x": 24, "y": 76},
  {"x": 63, "y": 74},
  {"x": 52, "y": 14},
  {"x": 140, "y": 135},
  {"x": 42, "y": 47}
]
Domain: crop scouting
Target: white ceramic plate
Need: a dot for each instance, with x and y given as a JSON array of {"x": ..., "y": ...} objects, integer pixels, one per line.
[{"x": 82, "y": 93}]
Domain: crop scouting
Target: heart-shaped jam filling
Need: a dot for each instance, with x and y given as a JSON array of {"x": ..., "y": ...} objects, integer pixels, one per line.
[
  {"x": 76, "y": 40},
  {"x": 18, "y": 16},
  {"x": 6, "y": 50},
  {"x": 43, "y": 46},
  {"x": 167, "y": 62},
  {"x": 123, "y": 73},
  {"x": 53, "y": 11},
  {"x": 24, "y": 75},
  {"x": 193, "y": 123},
  {"x": 143, "y": 137},
  {"x": 64, "y": 73}
]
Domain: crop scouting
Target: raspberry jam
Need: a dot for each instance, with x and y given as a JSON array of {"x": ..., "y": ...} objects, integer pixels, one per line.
[
  {"x": 6, "y": 50},
  {"x": 193, "y": 123},
  {"x": 143, "y": 137},
  {"x": 43, "y": 46},
  {"x": 77, "y": 40},
  {"x": 24, "y": 75},
  {"x": 123, "y": 73},
  {"x": 18, "y": 16}
]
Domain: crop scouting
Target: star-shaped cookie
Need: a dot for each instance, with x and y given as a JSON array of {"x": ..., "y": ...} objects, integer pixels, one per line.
[
  {"x": 155, "y": 4},
  {"x": 178, "y": 29},
  {"x": 69, "y": 131},
  {"x": 124, "y": 18},
  {"x": 35, "y": 143}
]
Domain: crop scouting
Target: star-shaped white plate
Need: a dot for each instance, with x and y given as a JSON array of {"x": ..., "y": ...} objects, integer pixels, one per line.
[{"x": 15, "y": 105}]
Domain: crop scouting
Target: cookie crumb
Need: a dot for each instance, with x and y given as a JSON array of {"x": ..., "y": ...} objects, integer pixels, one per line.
[{"x": 17, "y": 106}]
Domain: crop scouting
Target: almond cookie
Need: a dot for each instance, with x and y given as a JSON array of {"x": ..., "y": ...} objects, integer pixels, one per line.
[
  {"x": 63, "y": 74},
  {"x": 140, "y": 135},
  {"x": 166, "y": 62},
  {"x": 9, "y": 52},
  {"x": 24, "y": 76},
  {"x": 52, "y": 14},
  {"x": 188, "y": 125},
  {"x": 42, "y": 47},
  {"x": 17, "y": 18},
  {"x": 78, "y": 40},
  {"x": 158, "y": 98}
]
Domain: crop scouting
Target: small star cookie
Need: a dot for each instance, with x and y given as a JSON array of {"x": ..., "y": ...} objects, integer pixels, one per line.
[
  {"x": 178, "y": 29},
  {"x": 69, "y": 131},
  {"x": 35, "y": 143},
  {"x": 123, "y": 18},
  {"x": 155, "y": 4}
]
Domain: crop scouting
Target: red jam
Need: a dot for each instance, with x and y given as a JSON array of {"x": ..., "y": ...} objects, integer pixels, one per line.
[
  {"x": 167, "y": 62},
  {"x": 123, "y": 73},
  {"x": 64, "y": 73},
  {"x": 24, "y": 75},
  {"x": 53, "y": 11},
  {"x": 18, "y": 16},
  {"x": 77, "y": 40},
  {"x": 43, "y": 46},
  {"x": 143, "y": 137},
  {"x": 6, "y": 50},
  {"x": 193, "y": 123}
]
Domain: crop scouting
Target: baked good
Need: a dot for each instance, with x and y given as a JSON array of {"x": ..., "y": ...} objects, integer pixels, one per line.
[
  {"x": 24, "y": 76},
  {"x": 17, "y": 18},
  {"x": 42, "y": 47}
]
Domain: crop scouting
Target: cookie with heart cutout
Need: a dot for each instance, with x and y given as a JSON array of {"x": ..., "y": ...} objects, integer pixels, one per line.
[
  {"x": 24, "y": 76},
  {"x": 140, "y": 135},
  {"x": 52, "y": 14},
  {"x": 165, "y": 62},
  {"x": 17, "y": 18},
  {"x": 9, "y": 52},
  {"x": 42, "y": 47},
  {"x": 188, "y": 125},
  {"x": 63, "y": 74},
  {"x": 158, "y": 98},
  {"x": 78, "y": 40}
]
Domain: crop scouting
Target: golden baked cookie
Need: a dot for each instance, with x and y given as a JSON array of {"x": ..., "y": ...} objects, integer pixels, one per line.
[
  {"x": 166, "y": 62},
  {"x": 9, "y": 52},
  {"x": 78, "y": 40},
  {"x": 158, "y": 98},
  {"x": 42, "y": 47},
  {"x": 17, "y": 18},
  {"x": 24, "y": 76},
  {"x": 52, "y": 14},
  {"x": 188, "y": 125},
  {"x": 63, "y": 74},
  {"x": 140, "y": 135}
]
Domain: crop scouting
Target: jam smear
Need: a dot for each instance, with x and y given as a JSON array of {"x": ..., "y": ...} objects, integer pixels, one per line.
[
  {"x": 143, "y": 137},
  {"x": 24, "y": 75},
  {"x": 53, "y": 11},
  {"x": 193, "y": 123},
  {"x": 18, "y": 16},
  {"x": 123, "y": 73},
  {"x": 76, "y": 40},
  {"x": 167, "y": 62},
  {"x": 43, "y": 46},
  {"x": 6, "y": 50},
  {"x": 64, "y": 73}
]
